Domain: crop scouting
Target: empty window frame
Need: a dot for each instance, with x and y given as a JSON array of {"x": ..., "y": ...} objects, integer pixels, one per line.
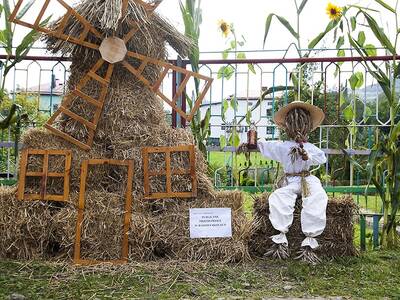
[
  {"x": 168, "y": 172},
  {"x": 45, "y": 176}
]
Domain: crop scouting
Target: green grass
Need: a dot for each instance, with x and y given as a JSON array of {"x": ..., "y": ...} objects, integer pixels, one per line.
[
  {"x": 222, "y": 158},
  {"x": 373, "y": 275}
]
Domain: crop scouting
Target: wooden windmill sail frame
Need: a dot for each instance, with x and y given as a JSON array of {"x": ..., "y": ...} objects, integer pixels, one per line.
[{"x": 112, "y": 50}]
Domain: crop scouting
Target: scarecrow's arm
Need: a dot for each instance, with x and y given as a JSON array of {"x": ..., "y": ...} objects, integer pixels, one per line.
[
  {"x": 271, "y": 149},
  {"x": 316, "y": 155}
]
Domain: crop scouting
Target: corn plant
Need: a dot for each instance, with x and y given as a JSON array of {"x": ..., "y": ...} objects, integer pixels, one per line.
[
  {"x": 192, "y": 18},
  {"x": 383, "y": 168},
  {"x": 14, "y": 57}
]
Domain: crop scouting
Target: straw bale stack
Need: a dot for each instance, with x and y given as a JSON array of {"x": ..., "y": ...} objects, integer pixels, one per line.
[{"x": 335, "y": 241}]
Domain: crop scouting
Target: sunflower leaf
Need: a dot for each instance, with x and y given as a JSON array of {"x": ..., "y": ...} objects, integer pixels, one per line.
[
  {"x": 370, "y": 50},
  {"x": 361, "y": 38},
  {"x": 353, "y": 22},
  {"x": 340, "y": 42}
]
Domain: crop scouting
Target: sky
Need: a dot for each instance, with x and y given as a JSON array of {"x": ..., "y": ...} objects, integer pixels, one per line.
[{"x": 249, "y": 18}]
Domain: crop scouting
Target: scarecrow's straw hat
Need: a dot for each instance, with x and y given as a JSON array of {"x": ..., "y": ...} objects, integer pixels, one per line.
[{"x": 317, "y": 115}]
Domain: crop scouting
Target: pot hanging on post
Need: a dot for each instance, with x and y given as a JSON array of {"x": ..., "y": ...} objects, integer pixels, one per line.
[{"x": 252, "y": 137}]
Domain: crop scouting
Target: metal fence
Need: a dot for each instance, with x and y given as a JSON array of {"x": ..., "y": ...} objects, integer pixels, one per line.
[{"x": 239, "y": 83}]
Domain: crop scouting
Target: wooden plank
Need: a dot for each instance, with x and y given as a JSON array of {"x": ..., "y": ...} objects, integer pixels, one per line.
[
  {"x": 127, "y": 208},
  {"x": 35, "y": 174},
  {"x": 102, "y": 97},
  {"x": 81, "y": 19},
  {"x": 36, "y": 151},
  {"x": 136, "y": 73},
  {"x": 169, "y": 195},
  {"x": 67, "y": 137},
  {"x": 81, "y": 207},
  {"x": 182, "y": 86},
  {"x": 192, "y": 162},
  {"x": 128, "y": 212},
  {"x": 101, "y": 161},
  {"x": 168, "y": 171},
  {"x": 162, "y": 149},
  {"x": 63, "y": 23},
  {"x": 98, "y": 78},
  {"x": 156, "y": 86},
  {"x": 124, "y": 8},
  {"x": 146, "y": 179},
  {"x": 30, "y": 197},
  {"x": 43, "y": 186},
  {"x": 84, "y": 33},
  {"x": 15, "y": 11},
  {"x": 199, "y": 100},
  {"x": 89, "y": 99},
  {"x": 54, "y": 174},
  {"x": 77, "y": 118},
  {"x": 53, "y": 197},
  {"x": 22, "y": 173},
  {"x": 41, "y": 13},
  {"x": 67, "y": 172}
]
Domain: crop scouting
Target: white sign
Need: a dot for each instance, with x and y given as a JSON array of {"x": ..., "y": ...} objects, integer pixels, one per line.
[{"x": 210, "y": 223}]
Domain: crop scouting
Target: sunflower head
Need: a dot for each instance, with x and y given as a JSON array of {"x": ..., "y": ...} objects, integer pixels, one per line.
[
  {"x": 334, "y": 12},
  {"x": 224, "y": 27}
]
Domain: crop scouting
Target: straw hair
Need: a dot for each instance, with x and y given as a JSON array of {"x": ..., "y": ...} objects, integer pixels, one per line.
[{"x": 316, "y": 114}]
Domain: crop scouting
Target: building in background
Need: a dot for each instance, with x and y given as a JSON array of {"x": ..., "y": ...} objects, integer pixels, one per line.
[
  {"x": 261, "y": 114},
  {"x": 50, "y": 94}
]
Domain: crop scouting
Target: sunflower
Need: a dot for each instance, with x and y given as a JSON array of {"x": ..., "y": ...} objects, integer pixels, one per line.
[
  {"x": 334, "y": 12},
  {"x": 224, "y": 27}
]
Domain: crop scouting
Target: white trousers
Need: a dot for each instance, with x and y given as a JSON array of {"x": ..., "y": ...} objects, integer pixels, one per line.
[{"x": 313, "y": 213}]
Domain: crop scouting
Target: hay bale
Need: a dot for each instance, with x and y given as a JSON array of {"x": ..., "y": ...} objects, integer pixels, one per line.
[
  {"x": 26, "y": 227},
  {"x": 336, "y": 240},
  {"x": 164, "y": 231}
]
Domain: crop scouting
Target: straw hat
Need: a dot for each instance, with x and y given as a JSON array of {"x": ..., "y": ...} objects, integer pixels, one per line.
[{"x": 317, "y": 115}]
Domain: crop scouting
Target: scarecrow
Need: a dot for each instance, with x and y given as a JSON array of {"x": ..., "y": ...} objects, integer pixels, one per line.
[{"x": 296, "y": 155}]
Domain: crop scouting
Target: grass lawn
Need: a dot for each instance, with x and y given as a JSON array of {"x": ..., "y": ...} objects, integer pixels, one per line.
[{"x": 372, "y": 275}]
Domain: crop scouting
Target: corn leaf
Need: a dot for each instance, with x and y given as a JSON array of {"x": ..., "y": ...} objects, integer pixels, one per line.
[
  {"x": 25, "y": 9},
  {"x": 301, "y": 7},
  {"x": 385, "y": 5},
  {"x": 222, "y": 142},
  {"x": 283, "y": 21},
  {"x": 8, "y": 31},
  {"x": 251, "y": 68},
  {"x": 332, "y": 24},
  {"x": 378, "y": 32}
]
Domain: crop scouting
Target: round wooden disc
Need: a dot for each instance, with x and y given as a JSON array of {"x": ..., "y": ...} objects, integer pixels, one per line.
[{"x": 113, "y": 50}]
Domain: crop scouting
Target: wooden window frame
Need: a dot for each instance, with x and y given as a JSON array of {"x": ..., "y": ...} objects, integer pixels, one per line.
[
  {"x": 44, "y": 175},
  {"x": 168, "y": 172},
  {"x": 81, "y": 208}
]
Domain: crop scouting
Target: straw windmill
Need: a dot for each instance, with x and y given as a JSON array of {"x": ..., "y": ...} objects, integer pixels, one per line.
[{"x": 108, "y": 155}]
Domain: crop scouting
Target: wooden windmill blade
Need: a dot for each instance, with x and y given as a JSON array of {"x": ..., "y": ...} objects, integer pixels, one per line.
[
  {"x": 167, "y": 67},
  {"x": 59, "y": 32},
  {"x": 98, "y": 104}
]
